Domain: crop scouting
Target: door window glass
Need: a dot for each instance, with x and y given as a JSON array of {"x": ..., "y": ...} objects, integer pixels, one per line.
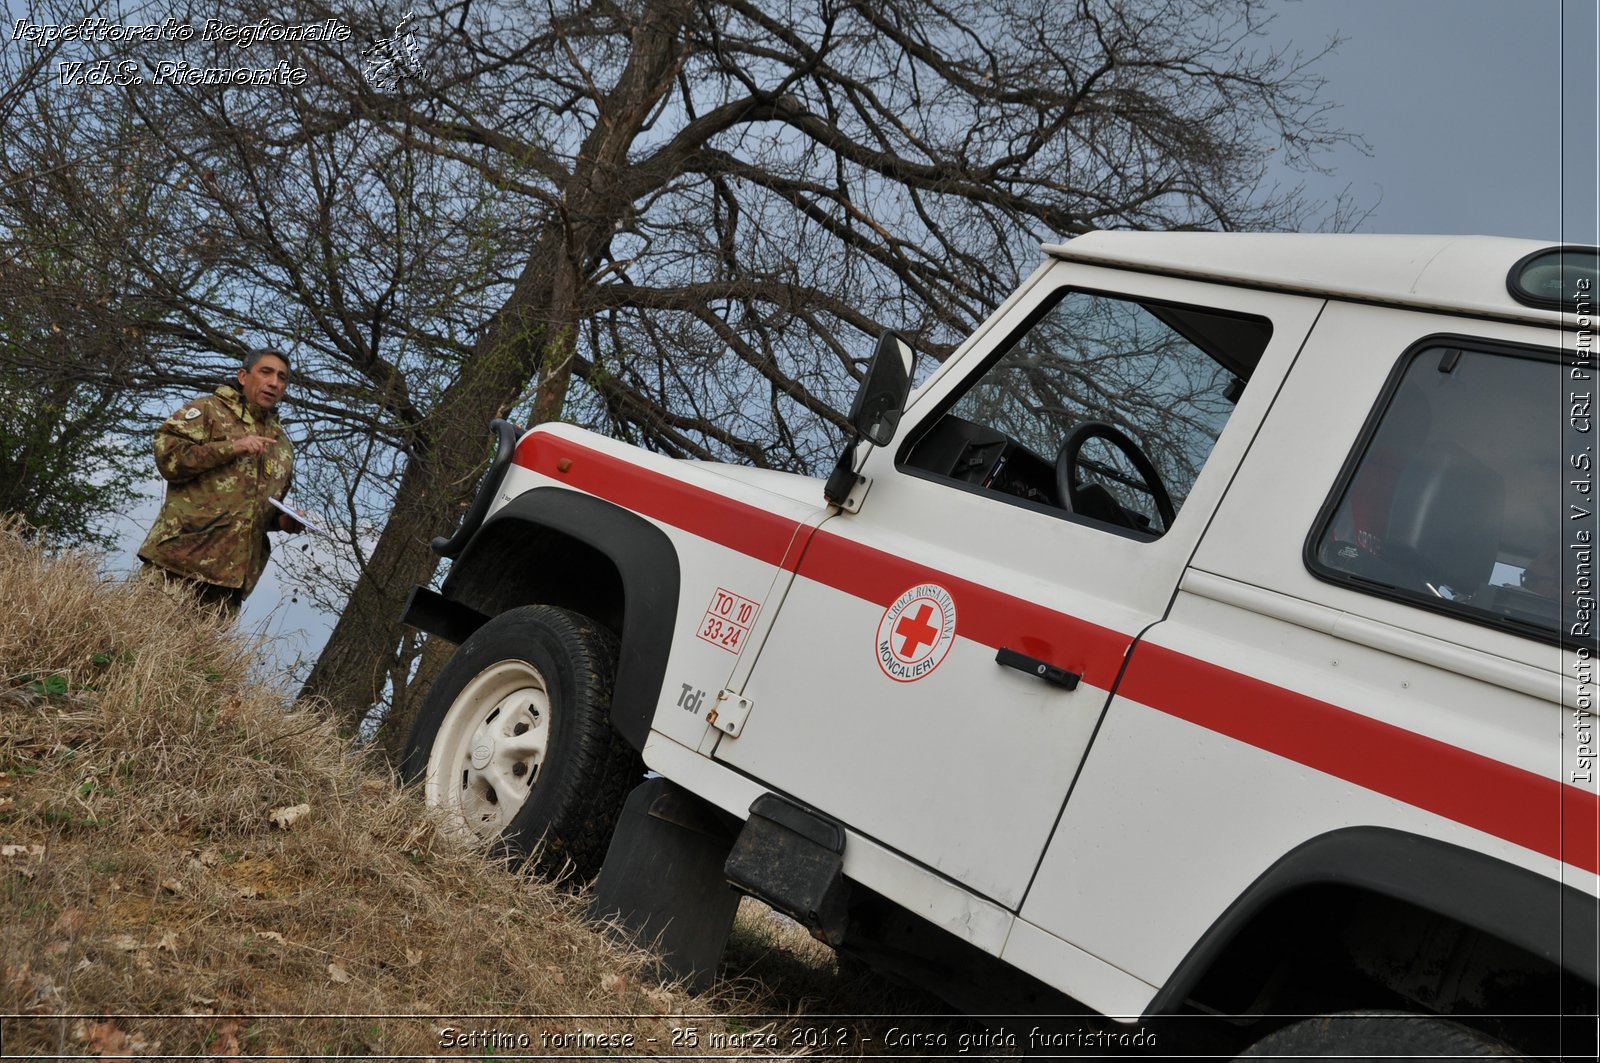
[{"x": 1098, "y": 407}]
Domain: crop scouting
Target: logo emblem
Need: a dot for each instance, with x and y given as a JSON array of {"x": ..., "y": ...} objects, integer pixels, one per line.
[
  {"x": 916, "y": 631},
  {"x": 191, "y": 413},
  {"x": 480, "y": 756}
]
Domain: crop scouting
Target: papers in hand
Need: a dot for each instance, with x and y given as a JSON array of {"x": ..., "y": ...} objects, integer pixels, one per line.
[{"x": 301, "y": 517}]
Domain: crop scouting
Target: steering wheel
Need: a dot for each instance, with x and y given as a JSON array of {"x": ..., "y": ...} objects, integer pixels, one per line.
[{"x": 1087, "y": 499}]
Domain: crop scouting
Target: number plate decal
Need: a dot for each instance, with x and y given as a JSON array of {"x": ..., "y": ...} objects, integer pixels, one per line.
[{"x": 727, "y": 620}]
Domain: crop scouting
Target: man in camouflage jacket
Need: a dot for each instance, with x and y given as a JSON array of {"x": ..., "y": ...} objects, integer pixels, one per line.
[{"x": 223, "y": 456}]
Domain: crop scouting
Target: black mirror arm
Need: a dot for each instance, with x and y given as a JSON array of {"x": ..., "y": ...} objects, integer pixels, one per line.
[{"x": 843, "y": 477}]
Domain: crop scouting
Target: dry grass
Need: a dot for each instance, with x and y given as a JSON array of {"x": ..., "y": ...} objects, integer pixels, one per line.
[{"x": 149, "y": 903}]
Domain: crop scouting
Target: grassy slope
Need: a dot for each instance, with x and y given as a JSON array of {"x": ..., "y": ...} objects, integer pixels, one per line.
[
  {"x": 142, "y": 873},
  {"x": 150, "y": 904}
]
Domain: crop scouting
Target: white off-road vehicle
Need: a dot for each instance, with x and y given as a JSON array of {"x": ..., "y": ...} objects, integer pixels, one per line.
[{"x": 1210, "y": 634}]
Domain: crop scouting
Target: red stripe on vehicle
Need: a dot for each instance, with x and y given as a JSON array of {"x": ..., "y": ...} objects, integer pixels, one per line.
[
  {"x": 1520, "y": 806},
  {"x": 983, "y": 615},
  {"x": 751, "y": 531}
]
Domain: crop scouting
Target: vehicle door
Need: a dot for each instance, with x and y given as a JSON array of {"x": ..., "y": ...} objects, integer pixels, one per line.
[{"x": 941, "y": 660}]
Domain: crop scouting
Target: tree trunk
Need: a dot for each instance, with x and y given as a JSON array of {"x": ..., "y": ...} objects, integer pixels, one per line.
[
  {"x": 440, "y": 477},
  {"x": 396, "y": 726},
  {"x": 535, "y": 330}
]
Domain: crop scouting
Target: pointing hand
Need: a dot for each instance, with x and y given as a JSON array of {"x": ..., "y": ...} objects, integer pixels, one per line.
[{"x": 251, "y": 444}]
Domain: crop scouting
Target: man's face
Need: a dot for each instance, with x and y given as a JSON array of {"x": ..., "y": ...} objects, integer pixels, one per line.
[{"x": 264, "y": 383}]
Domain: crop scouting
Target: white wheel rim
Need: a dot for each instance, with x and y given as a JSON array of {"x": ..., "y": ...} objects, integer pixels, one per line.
[{"x": 487, "y": 755}]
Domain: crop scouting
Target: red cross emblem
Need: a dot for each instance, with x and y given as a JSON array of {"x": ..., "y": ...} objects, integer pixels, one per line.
[{"x": 916, "y": 632}]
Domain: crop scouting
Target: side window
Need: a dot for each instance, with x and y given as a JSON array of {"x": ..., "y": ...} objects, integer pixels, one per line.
[
  {"x": 1102, "y": 407},
  {"x": 1454, "y": 501}
]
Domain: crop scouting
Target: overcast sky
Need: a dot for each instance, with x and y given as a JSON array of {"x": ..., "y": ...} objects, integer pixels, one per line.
[{"x": 1462, "y": 103}]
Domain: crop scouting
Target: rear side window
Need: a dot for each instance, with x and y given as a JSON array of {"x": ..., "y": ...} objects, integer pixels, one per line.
[{"x": 1453, "y": 501}]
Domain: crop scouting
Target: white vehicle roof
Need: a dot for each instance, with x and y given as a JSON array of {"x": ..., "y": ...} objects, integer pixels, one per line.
[{"x": 1454, "y": 273}]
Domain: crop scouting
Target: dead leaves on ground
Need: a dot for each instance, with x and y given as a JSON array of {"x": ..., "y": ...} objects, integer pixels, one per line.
[
  {"x": 105, "y": 1039},
  {"x": 287, "y": 817},
  {"x": 21, "y": 860}
]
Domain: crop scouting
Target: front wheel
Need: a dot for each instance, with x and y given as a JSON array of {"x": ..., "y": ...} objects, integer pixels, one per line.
[{"x": 514, "y": 743}]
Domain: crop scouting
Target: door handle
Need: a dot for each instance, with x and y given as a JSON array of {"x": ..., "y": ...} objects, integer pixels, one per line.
[{"x": 1033, "y": 666}]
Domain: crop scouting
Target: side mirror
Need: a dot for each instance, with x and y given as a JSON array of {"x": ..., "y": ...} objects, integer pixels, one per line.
[{"x": 875, "y": 414}]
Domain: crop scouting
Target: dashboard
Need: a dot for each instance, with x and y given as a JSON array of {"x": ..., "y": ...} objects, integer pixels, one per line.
[{"x": 983, "y": 457}]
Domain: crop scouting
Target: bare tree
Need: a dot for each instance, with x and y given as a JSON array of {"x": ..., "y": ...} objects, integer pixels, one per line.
[
  {"x": 68, "y": 327},
  {"x": 678, "y": 221}
]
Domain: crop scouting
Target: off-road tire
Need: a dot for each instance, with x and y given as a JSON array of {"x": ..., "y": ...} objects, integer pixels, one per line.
[
  {"x": 584, "y": 770},
  {"x": 1369, "y": 1035}
]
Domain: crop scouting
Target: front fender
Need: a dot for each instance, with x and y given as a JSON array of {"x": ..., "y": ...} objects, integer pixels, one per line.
[{"x": 560, "y": 547}]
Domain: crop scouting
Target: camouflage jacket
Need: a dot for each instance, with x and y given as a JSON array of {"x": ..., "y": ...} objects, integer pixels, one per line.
[{"x": 213, "y": 524}]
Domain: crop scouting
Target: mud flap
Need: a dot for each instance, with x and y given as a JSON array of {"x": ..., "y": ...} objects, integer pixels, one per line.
[
  {"x": 662, "y": 882},
  {"x": 793, "y": 859},
  {"x": 428, "y": 610}
]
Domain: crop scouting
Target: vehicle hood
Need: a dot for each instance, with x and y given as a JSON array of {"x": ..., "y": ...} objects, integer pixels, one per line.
[{"x": 807, "y": 490}]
